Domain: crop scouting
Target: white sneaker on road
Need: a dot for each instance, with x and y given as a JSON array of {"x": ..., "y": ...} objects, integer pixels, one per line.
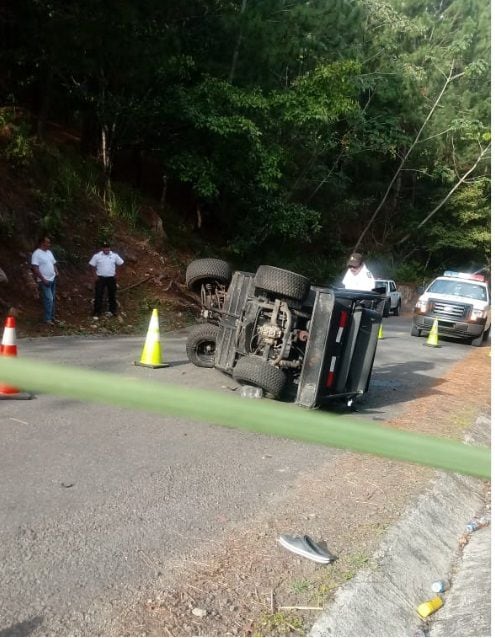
[{"x": 304, "y": 546}]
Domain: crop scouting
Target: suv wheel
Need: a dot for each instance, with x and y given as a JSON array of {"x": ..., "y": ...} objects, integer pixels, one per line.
[
  {"x": 256, "y": 371},
  {"x": 201, "y": 345},
  {"x": 202, "y": 271},
  {"x": 281, "y": 283}
]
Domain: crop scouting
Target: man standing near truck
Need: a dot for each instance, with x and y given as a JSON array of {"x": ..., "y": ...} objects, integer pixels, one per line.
[
  {"x": 105, "y": 264},
  {"x": 358, "y": 277}
]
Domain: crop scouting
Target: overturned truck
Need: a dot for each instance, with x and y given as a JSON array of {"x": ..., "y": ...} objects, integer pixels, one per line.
[{"x": 273, "y": 330}]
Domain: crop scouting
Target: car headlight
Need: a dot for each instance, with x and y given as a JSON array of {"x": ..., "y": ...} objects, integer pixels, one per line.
[
  {"x": 477, "y": 314},
  {"x": 421, "y": 306}
]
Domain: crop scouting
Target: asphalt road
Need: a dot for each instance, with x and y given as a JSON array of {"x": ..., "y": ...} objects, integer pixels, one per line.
[{"x": 96, "y": 502}]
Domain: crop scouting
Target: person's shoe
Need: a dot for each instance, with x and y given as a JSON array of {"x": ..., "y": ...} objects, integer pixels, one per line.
[
  {"x": 95, "y": 318},
  {"x": 304, "y": 546},
  {"x": 50, "y": 322}
]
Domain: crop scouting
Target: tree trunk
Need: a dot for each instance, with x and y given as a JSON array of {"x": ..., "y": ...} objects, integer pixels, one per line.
[
  {"x": 106, "y": 160},
  {"x": 235, "y": 55}
]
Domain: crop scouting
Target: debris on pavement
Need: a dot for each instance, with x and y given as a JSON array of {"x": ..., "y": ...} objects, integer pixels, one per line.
[
  {"x": 440, "y": 586},
  {"x": 305, "y": 546},
  {"x": 477, "y": 523},
  {"x": 430, "y": 606}
]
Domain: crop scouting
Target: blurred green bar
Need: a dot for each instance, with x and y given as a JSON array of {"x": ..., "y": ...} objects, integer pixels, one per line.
[{"x": 266, "y": 417}]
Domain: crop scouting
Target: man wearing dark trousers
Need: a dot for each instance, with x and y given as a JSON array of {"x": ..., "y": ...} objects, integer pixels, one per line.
[{"x": 105, "y": 264}]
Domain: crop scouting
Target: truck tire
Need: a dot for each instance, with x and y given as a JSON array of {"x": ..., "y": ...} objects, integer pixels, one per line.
[
  {"x": 386, "y": 308},
  {"x": 478, "y": 341},
  {"x": 397, "y": 309},
  {"x": 281, "y": 283},
  {"x": 203, "y": 271},
  {"x": 201, "y": 345},
  {"x": 415, "y": 332},
  {"x": 256, "y": 371}
]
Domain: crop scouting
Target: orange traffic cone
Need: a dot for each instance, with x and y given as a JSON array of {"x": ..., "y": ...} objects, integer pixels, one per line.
[{"x": 8, "y": 348}]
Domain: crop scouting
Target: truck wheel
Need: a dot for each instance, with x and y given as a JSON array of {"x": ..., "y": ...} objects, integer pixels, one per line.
[
  {"x": 203, "y": 271},
  {"x": 478, "y": 341},
  {"x": 201, "y": 344},
  {"x": 415, "y": 332},
  {"x": 282, "y": 283},
  {"x": 256, "y": 371},
  {"x": 386, "y": 308},
  {"x": 397, "y": 309}
]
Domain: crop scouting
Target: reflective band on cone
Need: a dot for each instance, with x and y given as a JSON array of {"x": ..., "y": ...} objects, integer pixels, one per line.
[{"x": 8, "y": 348}]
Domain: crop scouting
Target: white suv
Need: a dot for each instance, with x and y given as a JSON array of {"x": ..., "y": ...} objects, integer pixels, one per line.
[
  {"x": 461, "y": 303},
  {"x": 394, "y": 299}
]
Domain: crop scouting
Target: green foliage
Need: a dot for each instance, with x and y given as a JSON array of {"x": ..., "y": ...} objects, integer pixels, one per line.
[
  {"x": 197, "y": 171},
  {"x": 301, "y": 586},
  {"x": 16, "y": 141},
  {"x": 462, "y": 236},
  {"x": 410, "y": 271},
  {"x": 124, "y": 203},
  {"x": 280, "y": 623},
  {"x": 286, "y": 121}
]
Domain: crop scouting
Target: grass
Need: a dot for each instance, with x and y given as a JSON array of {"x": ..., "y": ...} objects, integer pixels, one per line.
[
  {"x": 301, "y": 586},
  {"x": 278, "y": 623}
]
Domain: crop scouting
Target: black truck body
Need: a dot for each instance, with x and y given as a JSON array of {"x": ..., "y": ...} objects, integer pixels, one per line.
[{"x": 273, "y": 330}]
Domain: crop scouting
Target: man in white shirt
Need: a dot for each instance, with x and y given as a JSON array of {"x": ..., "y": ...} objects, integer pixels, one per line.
[
  {"x": 45, "y": 272},
  {"x": 105, "y": 264},
  {"x": 358, "y": 277}
]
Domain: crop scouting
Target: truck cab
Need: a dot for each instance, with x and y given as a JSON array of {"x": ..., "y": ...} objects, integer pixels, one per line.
[{"x": 461, "y": 304}]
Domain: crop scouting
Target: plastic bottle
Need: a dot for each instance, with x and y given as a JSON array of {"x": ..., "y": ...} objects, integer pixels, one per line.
[
  {"x": 251, "y": 392},
  {"x": 477, "y": 523},
  {"x": 427, "y": 608},
  {"x": 439, "y": 586}
]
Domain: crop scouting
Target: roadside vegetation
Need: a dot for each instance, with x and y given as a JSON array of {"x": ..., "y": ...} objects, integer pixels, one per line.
[{"x": 289, "y": 133}]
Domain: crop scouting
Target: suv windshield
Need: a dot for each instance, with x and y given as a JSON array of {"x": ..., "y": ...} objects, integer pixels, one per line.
[{"x": 458, "y": 289}]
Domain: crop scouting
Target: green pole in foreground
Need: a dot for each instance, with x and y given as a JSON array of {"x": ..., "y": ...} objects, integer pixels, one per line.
[{"x": 266, "y": 417}]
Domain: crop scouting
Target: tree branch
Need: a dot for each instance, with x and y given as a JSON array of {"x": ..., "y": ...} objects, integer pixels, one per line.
[
  {"x": 406, "y": 156},
  {"x": 447, "y": 197}
]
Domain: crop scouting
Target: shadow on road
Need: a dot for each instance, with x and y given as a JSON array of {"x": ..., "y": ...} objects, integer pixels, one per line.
[
  {"x": 24, "y": 628},
  {"x": 393, "y": 384}
]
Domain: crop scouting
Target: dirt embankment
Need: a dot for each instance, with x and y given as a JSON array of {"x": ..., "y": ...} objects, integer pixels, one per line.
[{"x": 151, "y": 277}]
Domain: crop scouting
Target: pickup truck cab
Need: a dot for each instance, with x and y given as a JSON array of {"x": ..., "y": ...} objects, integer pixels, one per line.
[
  {"x": 461, "y": 304},
  {"x": 394, "y": 300}
]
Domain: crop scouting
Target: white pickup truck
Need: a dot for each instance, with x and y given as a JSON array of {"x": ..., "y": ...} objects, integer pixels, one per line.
[
  {"x": 394, "y": 299},
  {"x": 461, "y": 304}
]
